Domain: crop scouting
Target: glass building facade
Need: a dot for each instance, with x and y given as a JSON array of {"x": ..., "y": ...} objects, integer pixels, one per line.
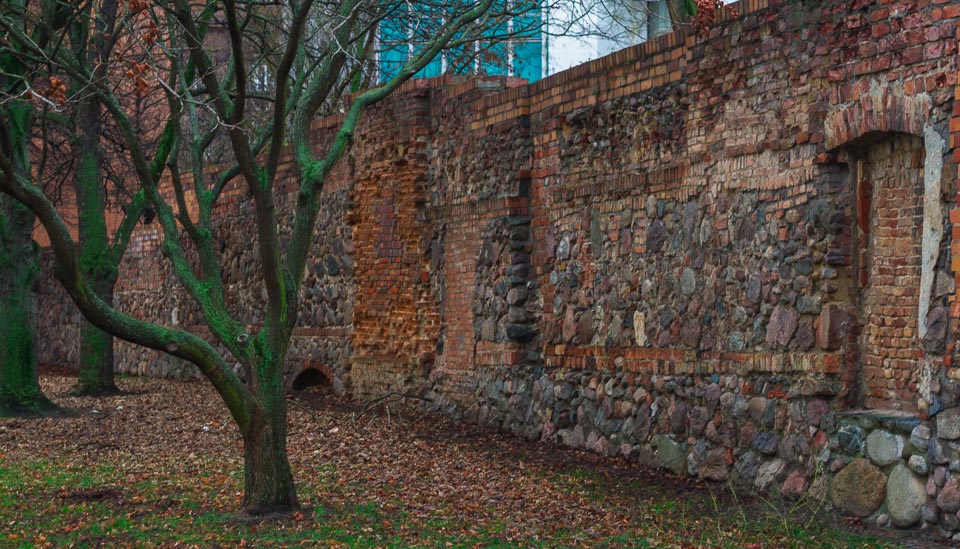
[{"x": 515, "y": 48}]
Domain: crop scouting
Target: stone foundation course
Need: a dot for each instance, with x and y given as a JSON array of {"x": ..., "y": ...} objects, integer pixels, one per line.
[{"x": 759, "y": 433}]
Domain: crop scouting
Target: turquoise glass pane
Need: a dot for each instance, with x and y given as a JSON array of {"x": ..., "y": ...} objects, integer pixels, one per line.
[{"x": 528, "y": 62}]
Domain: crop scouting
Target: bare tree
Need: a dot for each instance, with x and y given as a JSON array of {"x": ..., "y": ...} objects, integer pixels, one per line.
[
  {"x": 311, "y": 53},
  {"x": 95, "y": 35},
  {"x": 75, "y": 149}
]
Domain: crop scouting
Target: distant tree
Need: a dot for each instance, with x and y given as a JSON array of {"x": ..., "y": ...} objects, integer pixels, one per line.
[
  {"x": 96, "y": 32},
  {"x": 309, "y": 53}
]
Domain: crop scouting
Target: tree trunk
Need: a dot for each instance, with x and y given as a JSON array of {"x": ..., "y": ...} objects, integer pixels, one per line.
[
  {"x": 19, "y": 272},
  {"x": 268, "y": 480},
  {"x": 98, "y": 263},
  {"x": 96, "y": 349}
]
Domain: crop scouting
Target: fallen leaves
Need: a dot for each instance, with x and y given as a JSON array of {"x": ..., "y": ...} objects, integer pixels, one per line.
[{"x": 162, "y": 465}]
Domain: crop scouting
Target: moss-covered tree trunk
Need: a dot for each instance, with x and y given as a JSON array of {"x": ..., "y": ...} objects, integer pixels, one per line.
[
  {"x": 96, "y": 258},
  {"x": 19, "y": 273},
  {"x": 19, "y": 270},
  {"x": 96, "y": 375},
  {"x": 268, "y": 479}
]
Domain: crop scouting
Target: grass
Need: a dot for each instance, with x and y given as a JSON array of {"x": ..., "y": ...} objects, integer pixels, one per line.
[{"x": 48, "y": 503}]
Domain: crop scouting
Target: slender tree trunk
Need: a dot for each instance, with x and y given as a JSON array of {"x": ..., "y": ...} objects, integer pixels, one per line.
[
  {"x": 268, "y": 480},
  {"x": 19, "y": 272},
  {"x": 96, "y": 258},
  {"x": 96, "y": 376}
]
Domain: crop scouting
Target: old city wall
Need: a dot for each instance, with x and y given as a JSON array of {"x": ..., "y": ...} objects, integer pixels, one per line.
[
  {"x": 709, "y": 255},
  {"x": 712, "y": 255},
  {"x": 736, "y": 242}
]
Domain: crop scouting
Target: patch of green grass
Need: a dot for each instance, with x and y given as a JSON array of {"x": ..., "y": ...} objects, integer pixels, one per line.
[{"x": 48, "y": 503}]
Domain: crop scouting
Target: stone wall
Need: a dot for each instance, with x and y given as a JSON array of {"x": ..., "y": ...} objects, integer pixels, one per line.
[
  {"x": 58, "y": 320},
  {"x": 148, "y": 289},
  {"x": 737, "y": 244},
  {"x": 732, "y": 256}
]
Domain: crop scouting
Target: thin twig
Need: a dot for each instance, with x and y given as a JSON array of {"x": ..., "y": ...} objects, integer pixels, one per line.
[
  {"x": 298, "y": 405},
  {"x": 386, "y": 399}
]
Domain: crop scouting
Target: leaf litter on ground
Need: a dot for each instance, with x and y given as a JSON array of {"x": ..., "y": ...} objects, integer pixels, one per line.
[{"x": 161, "y": 465}]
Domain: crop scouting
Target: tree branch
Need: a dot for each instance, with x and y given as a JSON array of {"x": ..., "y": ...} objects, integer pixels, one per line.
[{"x": 175, "y": 342}]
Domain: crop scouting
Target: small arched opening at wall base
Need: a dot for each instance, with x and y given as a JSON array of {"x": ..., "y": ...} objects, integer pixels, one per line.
[{"x": 313, "y": 379}]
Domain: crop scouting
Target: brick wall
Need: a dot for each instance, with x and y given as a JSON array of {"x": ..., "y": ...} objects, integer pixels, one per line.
[
  {"x": 685, "y": 206},
  {"x": 395, "y": 324},
  {"x": 891, "y": 265},
  {"x": 479, "y": 204},
  {"x": 702, "y": 167}
]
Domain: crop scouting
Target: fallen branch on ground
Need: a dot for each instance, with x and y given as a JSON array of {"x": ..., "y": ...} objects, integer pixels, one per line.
[{"x": 385, "y": 399}]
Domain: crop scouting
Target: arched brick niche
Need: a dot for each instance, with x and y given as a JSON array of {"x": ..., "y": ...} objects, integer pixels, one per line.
[
  {"x": 900, "y": 259},
  {"x": 880, "y": 109},
  {"x": 312, "y": 375}
]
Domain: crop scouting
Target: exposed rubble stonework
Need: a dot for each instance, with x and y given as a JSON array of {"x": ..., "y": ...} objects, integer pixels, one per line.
[
  {"x": 148, "y": 289},
  {"x": 733, "y": 257}
]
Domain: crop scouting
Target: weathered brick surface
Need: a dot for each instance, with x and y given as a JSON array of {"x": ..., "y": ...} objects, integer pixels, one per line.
[
  {"x": 480, "y": 156},
  {"x": 712, "y": 212},
  {"x": 396, "y": 324},
  {"x": 890, "y": 346}
]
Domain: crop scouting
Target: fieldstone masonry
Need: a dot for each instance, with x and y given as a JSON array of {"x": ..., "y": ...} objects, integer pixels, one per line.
[{"x": 734, "y": 257}]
